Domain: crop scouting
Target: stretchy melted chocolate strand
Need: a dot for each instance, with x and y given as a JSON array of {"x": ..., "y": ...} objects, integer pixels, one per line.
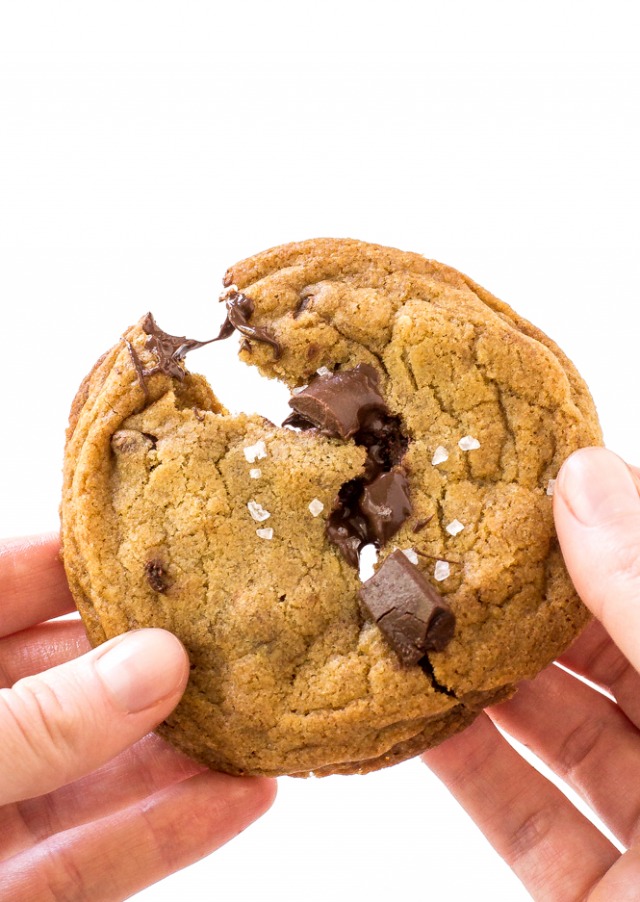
[
  {"x": 339, "y": 404},
  {"x": 170, "y": 351},
  {"x": 239, "y": 310},
  {"x": 412, "y": 616}
]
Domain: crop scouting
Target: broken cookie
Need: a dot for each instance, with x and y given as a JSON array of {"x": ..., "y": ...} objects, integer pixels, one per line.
[{"x": 428, "y": 419}]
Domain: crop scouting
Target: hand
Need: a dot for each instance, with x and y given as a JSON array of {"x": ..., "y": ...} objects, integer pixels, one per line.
[
  {"x": 588, "y": 739},
  {"x": 76, "y": 795}
]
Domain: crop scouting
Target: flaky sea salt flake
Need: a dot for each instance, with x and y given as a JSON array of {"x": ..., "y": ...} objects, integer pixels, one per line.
[
  {"x": 468, "y": 443},
  {"x": 410, "y": 555},
  {"x": 323, "y": 371},
  {"x": 255, "y": 473},
  {"x": 442, "y": 570},
  {"x": 454, "y": 527},
  {"x": 551, "y": 486},
  {"x": 439, "y": 455},
  {"x": 300, "y": 388},
  {"x": 266, "y": 533},
  {"x": 316, "y": 507},
  {"x": 255, "y": 452},
  {"x": 257, "y": 511}
]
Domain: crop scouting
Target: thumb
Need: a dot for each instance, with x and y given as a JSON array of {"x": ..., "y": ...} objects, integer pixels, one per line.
[
  {"x": 64, "y": 723},
  {"x": 597, "y": 512}
]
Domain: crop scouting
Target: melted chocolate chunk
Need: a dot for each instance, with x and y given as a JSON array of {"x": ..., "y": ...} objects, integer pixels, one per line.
[
  {"x": 348, "y": 404},
  {"x": 239, "y": 310},
  {"x": 156, "y": 575},
  {"x": 339, "y": 404},
  {"x": 346, "y": 527},
  {"x": 412, "y": 616},
  {"x": 385, "y": 505}
]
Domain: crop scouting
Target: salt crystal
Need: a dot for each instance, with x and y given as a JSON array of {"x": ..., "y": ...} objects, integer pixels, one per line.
[
  {"x": 255, "y": 452},
  {"x": 468, "y": 443},
  {"x": 265, "y": 533},
  {"x": 454, "y": 527},
  {"x": 410, "y": 554},
  {"x": 255, "y": 473},
  {"x": 439, "y": 455},
  {"x": 316, "y": 507},
  {"x": 257, "y": 511},
  {"x": 442, "y": 570},
  {"x": 551, "y": 485},
  {"x": 323, "y": 371},
  {"x": 296, "y": 391}
]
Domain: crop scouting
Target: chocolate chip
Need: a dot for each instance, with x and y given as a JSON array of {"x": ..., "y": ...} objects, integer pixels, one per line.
[
  {"x": 130, "y": 441},
  {"x": 412, "y": 616},
  {"x": 338, "y": 404},
  {"x": 302, "y": 305},
  {"x": 156, "y": 575}
]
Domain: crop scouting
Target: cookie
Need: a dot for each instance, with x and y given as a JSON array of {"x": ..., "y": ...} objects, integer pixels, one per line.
[{"x": 428, "y": 419}]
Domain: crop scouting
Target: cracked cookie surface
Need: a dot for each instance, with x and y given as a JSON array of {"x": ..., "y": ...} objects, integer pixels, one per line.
[{"x": 177, "y": 514}]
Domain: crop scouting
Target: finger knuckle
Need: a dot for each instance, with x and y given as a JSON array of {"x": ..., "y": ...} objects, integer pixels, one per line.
[
  {"x": 531, "y": 833},
  {"x": 580, "y": 745},
  {"x": 41, "y": 724}
]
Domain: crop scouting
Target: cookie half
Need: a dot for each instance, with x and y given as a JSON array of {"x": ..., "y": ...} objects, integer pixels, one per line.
[{"x": 219, "y": 528}]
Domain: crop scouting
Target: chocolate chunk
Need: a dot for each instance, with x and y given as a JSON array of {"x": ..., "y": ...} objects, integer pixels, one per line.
[
  {"x": 381, "y": 434},
  {"x": 346, "y": 527},
  {"x": 239, "y": 310},
  {"x": 412, "y": 616},
  {"x": 157, "y": 575},
  {"x": 385, "y": 505},
  {"x": 339, "y": 404}
]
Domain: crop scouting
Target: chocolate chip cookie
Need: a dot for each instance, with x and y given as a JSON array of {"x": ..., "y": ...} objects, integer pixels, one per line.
[{"x": 428, "y": 419}]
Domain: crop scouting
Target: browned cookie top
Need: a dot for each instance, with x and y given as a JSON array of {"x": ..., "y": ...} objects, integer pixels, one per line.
[{"x": 177, "y": 514}]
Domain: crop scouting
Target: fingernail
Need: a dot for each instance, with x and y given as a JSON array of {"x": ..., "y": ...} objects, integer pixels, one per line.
[
  {"x": 597, "y": 486},
  {"x": 142, "y": 668}
]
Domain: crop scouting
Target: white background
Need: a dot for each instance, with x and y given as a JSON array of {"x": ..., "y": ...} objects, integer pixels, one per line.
[{"x": 145, "y": 146}]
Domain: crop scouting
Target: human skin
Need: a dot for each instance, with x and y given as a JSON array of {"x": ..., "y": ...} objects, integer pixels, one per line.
[
  {"x": 82, "y": 779},
  {"x": 590, "y": 739}
]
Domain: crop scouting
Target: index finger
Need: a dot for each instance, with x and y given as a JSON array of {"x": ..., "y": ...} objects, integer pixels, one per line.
[{"x": 33, "y": 585}]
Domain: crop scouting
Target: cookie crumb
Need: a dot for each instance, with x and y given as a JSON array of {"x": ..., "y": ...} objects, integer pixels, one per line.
[
  {"x": 454, "y": 527},
  {"x": 257, "y": 511},
  {"x": 551, "y": 487},
  {"x": 410, "y": 555},
  {"x": 229, "y": 290},
  {"x": 255, "y": 452},
  {"x": 255, "y": 473},
  {"x": 265, "y": 533},
  {"x": 316, "y": 507},
  {"x": 468, "y": 443},
  {"x": 442, "y": 570},
  {"x": 439, "y": 456}
]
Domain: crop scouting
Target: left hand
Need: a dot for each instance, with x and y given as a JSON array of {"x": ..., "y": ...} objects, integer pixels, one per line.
[{"x": 86, "y": 814}]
